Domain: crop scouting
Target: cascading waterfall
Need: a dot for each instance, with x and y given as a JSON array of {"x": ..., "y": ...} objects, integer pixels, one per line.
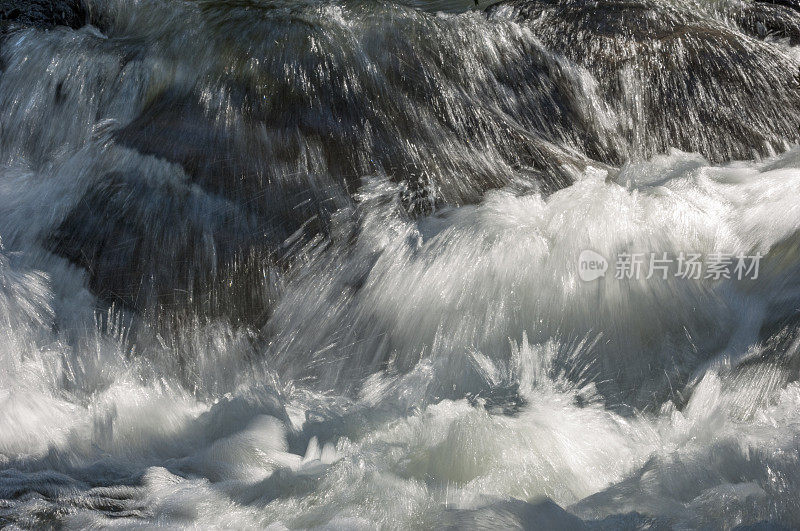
[{"x": 316, "y": 264}]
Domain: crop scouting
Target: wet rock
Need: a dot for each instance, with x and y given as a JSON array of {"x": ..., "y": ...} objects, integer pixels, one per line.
[
  {"x": 381, "y": 100},
  {"x": 664, "y": 69},
  {"x": 162, "y": 247},
  {"x": 210, "y": 235},
  {"x": 276, "y": 135},
  {"x": 769, "y": 20},
  {"x": 224, "y": 150},
  {"x": 279, "y": 171},
  {"x": 792, "y": 4},
  {"x": 45, "y": 13}
]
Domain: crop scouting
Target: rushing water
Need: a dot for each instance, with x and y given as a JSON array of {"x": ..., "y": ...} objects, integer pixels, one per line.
[{"x": 300, "y": 263}]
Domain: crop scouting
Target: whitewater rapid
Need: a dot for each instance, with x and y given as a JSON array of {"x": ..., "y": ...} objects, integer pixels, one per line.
[
  {"x": 94, "y": 435},
  {"x": 322, "y": 271}
]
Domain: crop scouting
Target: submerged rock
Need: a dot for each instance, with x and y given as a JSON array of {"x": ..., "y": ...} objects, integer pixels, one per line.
[
  {"x": 271, "y": 125},
  {"x": 274, "y": 156},
  {"x": 163, "y": 247},
  {"x": 209, "y": 228},
  {"x": 769, "y": 20},
  {"x": 45, "y": 13},
  {"x": 793, "y": 4},
  {"x": 674, "y": 77}
]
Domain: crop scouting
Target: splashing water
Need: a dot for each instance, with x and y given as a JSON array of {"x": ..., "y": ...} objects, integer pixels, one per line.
[{"x": 311, "y": 264}]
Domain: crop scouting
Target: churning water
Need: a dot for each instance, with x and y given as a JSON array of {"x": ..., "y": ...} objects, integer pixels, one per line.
[{"x": 301, "y": 263}]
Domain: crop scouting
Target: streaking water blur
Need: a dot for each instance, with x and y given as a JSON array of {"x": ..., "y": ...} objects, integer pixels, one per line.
[{"x": 312, "y": 264}]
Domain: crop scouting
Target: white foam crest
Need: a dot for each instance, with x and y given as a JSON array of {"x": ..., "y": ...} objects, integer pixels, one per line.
[{"x": 467, "y": 279}]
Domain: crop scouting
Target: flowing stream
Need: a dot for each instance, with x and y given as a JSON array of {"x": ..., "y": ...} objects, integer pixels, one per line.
[{"x": 317, "y": 264}]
